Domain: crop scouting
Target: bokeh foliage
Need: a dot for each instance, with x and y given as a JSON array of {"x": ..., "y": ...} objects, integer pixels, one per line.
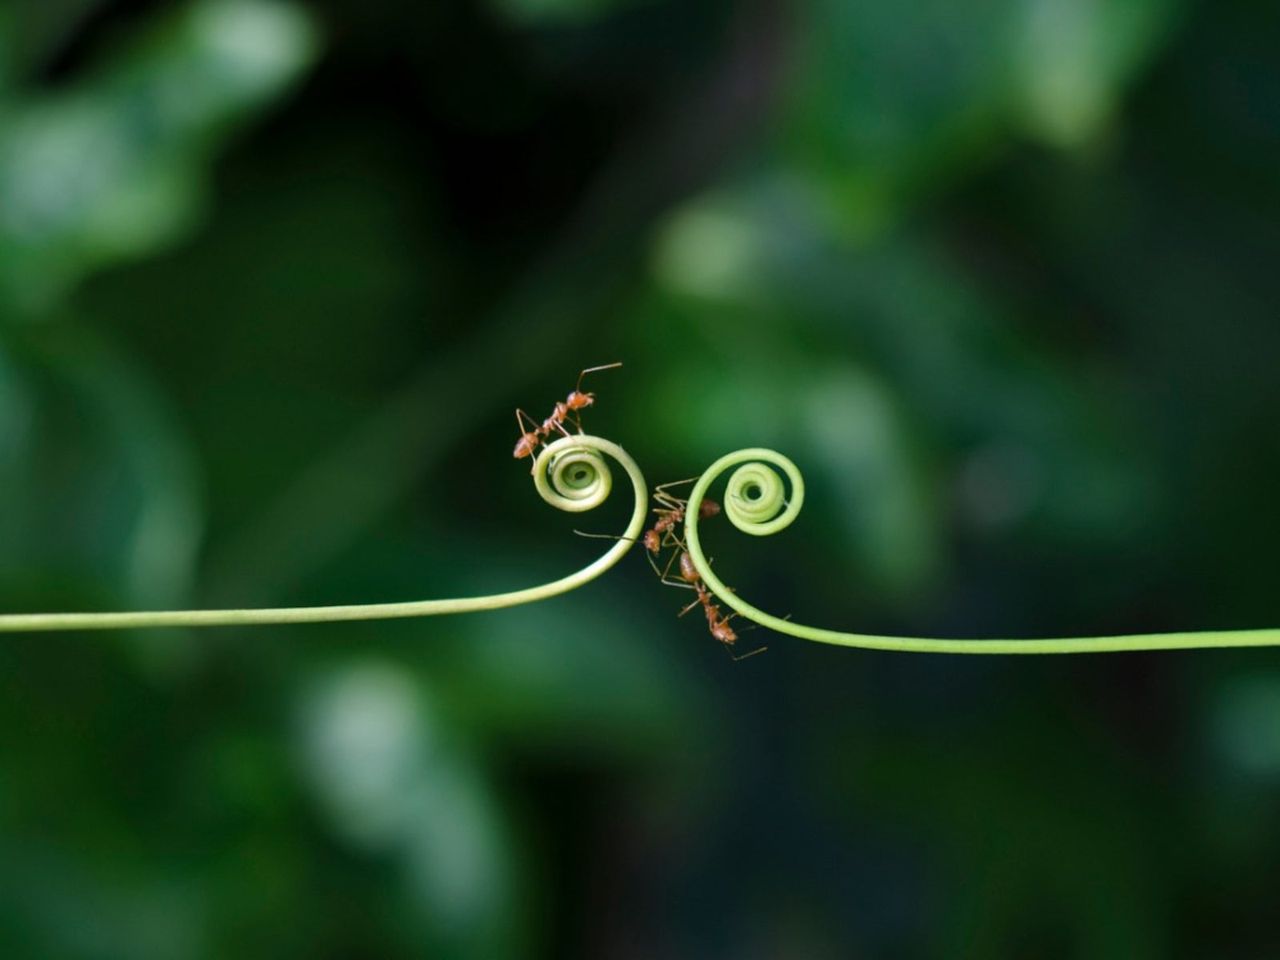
[{"x": 999, "y": 276}]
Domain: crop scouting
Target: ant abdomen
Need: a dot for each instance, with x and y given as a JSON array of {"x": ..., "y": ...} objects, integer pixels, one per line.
[{"x": 526, "y": 445}]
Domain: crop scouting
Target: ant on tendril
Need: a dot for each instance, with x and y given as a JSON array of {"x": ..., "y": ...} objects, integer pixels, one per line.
[
  {"x": 671, "y": 511},
  {"x": 565, "y": 409},
  {"x": 717, "y": 621},
  {"x": 670, "y": 515}
]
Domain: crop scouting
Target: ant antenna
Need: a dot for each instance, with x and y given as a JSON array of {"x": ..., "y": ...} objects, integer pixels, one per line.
[
  {"x": 606, "y": 536},
  {"x": 607, "y": 366}
]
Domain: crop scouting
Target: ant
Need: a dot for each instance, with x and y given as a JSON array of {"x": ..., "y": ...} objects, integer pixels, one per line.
[
  {"x": 565, "y": 409},
  {"x": 670, "y": 514},
  {"x": 717, "y": 621}
]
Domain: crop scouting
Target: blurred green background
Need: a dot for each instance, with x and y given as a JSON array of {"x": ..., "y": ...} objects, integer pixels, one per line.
[{"x": 1000, "y": 276}]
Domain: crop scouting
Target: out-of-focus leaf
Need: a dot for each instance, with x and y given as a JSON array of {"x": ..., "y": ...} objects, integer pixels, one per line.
[
  {"x": 1025, "y": 848},
  {"x": 952, "y": 356},
  {"x": 1246, "y": 726},
  {"x": 890, "y": 103},
  {"x": 857, "y": 434},
  {"x": 586, "y": 679},
  {"x": 99, "y": 485},
  {"x": 1074, "y": 58},
  {"x": 55, "y": 906},
  {"x": 395, "y": 782},
  {"x": 115, "y": 166}
]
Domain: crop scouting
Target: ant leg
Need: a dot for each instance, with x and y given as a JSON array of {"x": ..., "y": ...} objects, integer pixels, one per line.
[
  {"x": 667, "y": 569},
  {"x": 523, "y": 418},
  {"x": 666, "y": 506},
  {"x": 754, "y": 626},
  {"x": 664, "y": 574},
  {"x": 606, "y": 536},
  {"x": 674, "y": 539},
  {"x": 674, "y": 504},
  {"x": 680, "y": 585},
  {"x": 744, "y": 656},
  {"x": 675, "y": 483},
  {"x": 689, "y": 607}
]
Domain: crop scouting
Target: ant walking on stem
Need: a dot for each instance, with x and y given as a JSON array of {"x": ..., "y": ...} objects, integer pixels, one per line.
[
  {"x": 671, "y": 511},
  {"x": 671, "y": 514},
  {"x": 717, "y": 620},
  {"x": 565, "y": 409}
]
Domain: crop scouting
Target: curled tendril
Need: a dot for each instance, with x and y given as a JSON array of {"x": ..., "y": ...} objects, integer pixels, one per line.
[
  {"x": 755, "y": 499},
  {"x": 756, "y": 503},
  {"x": 570, "y": 474}
]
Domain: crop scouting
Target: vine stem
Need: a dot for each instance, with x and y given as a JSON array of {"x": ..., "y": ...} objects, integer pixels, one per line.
[
  {"x": 569, "y": 474},
  {"x": 756, "y": 503}
]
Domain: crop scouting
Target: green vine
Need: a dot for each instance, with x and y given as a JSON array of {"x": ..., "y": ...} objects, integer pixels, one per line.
[
  {"x": 570, "y": 474},
  {"x": 756, "y": 502}
]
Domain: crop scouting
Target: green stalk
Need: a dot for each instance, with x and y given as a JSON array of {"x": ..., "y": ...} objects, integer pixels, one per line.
[
  {"x": 756, "y": 503},
  {"x": 570, "y": 474}
]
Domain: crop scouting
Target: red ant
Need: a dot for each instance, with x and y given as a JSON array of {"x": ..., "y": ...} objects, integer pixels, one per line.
[
  {"x": 717, "y": 622},
  {"x": 662, "y": 533},
  {"x": 564, "y": 409},
  {"x": 671, "y": 513}
]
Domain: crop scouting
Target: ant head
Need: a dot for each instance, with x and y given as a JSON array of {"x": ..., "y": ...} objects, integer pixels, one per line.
[
  {"x": 708, "y": 508},
  {"x": 724, "y": 633},
  {"x": 525, "y": 446},
  {"x": 578, "y": 400},
  {"x": 652, "y": 542}
]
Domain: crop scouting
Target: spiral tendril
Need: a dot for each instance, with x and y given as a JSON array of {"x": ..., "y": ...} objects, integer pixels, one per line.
[
  {"x": 571, "y": 474},
  {"x": 579, "y": 478},
  {"x": 756, "y": 503},
  {"x": 755, "y": 500}
]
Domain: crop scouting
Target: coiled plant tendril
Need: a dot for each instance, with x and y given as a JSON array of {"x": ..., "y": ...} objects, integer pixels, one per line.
[
  {"x": 756, "y": 503},
  {"x": 570, "y": 474}
]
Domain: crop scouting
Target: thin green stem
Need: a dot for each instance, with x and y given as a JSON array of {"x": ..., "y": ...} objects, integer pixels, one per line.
[
  {"x": 569, "y": 474},
  {"x": 757, "y": 503}
]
